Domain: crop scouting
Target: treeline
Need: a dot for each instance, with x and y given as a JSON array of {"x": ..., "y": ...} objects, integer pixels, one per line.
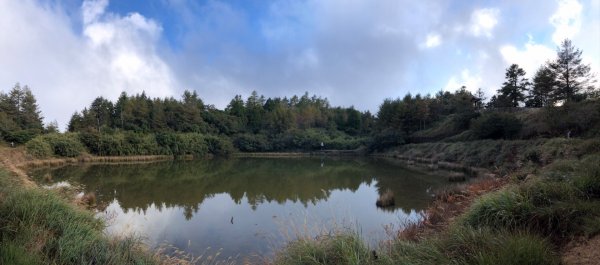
[
  {"x": 20, "y": 118},
  {"x": 561, "y": 100},
  {"x": 254, "y": 124}
]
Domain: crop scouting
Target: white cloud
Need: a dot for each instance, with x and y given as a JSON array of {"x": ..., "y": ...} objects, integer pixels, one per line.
[
  {"x": 566, "y": 20},
  {"x": 470, "y": 81},
  {"x": 66, "y": 69},
  {"x": 92, "y": 10},
  {"x": 530, "y": 58},
  {"x": 433, "y": 40},
  {"x": 483, "y": 21}
]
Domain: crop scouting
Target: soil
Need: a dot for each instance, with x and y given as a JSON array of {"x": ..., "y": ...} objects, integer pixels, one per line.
[{"x": 582, "y": 251}]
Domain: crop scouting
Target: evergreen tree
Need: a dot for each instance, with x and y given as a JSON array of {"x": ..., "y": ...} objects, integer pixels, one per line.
[
  {"x": 513, "y": 89},
  {"x": 572, "y": 76},
  {"x": 544, "y": 82},
  {"x": 479, "y": 99},
  {"x": 30, "y": 115}
]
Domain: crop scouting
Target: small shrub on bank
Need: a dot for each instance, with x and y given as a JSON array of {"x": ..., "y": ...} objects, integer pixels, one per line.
[
  {"x": 252, "y": 143},
  {"x": 39, "y": 148},
  {"x": 66, "y": 144},
  {"x": 496, "y": 125},
  {"x": 219, "y": 146}
]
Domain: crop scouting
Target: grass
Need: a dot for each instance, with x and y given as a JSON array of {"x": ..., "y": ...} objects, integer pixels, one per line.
[
  {"x": 522, "y": 223},
  {"x": 386, "y": 199},
  {"x": 38, "y": 227}
]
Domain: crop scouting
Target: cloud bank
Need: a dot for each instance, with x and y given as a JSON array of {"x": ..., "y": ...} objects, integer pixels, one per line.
[{"x": 355, "y": 52}]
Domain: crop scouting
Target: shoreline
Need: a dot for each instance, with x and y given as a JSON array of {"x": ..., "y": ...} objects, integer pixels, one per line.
[{"x": 444, "y": 209}]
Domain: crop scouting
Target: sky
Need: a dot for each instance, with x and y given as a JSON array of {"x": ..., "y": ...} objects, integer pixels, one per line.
[{"x": 353, "y": 52}]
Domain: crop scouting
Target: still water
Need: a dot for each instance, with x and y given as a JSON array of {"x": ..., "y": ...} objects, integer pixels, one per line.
[{"x": 248, "y": 206}]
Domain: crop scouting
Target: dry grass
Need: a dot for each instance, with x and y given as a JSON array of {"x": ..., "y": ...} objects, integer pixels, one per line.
[{"x": 386, "y": 199}]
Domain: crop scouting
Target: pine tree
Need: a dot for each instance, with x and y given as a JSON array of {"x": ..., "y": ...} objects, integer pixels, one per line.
[
  {"x": 513, "y": 89},
  {"x": 30, "y": 115},
  {"x": 544, "y": 82},
  {"x": 572, "y": 76}
]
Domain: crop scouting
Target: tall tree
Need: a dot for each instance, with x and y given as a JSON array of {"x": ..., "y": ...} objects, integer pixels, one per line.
[
  {"x": 30, "y": 115},
  {"x": 513, "y": 89},
  {"x": 572, "y": 76},
  {"x": 544, "y": 82},
  {"x": 479, "y": 99}
]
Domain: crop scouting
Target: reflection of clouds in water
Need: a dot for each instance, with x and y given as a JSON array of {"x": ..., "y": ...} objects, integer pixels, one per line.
[
  {"x": 257, "y": 230},
  {"x": 151, "y": 224},
  {"x": 247, "y": 206}
]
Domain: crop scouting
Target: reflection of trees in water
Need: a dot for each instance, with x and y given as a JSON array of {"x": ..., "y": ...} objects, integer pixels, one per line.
[{"x": 188, "y": 183}]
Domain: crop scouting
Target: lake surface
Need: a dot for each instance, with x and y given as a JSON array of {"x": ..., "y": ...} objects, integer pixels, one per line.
[{"x": 249, "y": 206}]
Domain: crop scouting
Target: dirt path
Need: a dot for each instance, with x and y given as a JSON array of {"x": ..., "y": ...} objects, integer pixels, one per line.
[
  {"x": 10, "y": 159},
  {"x": 580, "y": 252}
]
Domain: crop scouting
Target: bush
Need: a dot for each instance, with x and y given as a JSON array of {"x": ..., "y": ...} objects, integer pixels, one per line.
[
  {"x": 20, "y": 136},
  {"x": 192, "y": 144},
  {"x": 386, "y": 139},
  {"x": 252, "y": 143},
  {"x": 39, "y": 147},
  {"x": 219, "y": 146},
  {"x": 496, "y": 125},
  {"x": 66, "y": 144}
]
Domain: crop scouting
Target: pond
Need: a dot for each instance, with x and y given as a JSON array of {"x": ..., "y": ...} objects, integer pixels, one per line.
[{"x": 244, "y": 207}]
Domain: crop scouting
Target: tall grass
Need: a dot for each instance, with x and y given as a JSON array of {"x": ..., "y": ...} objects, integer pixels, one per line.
[
  {"x": 522, "y": 223},
  {"x": 38, "y": 227}
]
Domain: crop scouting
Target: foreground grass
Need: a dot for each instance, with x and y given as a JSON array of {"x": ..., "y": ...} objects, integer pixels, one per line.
[
  {"x": 38, "y": 227},
  {"x": 524, "y": 223}
]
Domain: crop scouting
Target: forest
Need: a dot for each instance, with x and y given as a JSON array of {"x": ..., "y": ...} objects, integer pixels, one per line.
[{"x": 560, "y": 100}]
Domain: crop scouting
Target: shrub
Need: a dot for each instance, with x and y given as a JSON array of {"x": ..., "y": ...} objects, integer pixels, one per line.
[
  {"x": 219, "y": 146},
  {"x": 192, "y": 144},
  {"x": 66, "y": 144},
  {"x": 496, "y": 125},
  {"x": 38, "y": 147},
  {"x": 20, "y": 136},
  {"x": 386, "y": 139},
  {"x": 252, "y": 143}
]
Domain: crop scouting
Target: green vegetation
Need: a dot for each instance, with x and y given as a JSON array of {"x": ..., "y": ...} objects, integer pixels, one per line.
[
  {"x": 458, "y": 245},
  {"x": 523, "y": 223},
  {"x": 20, "y": 118},
  {"x": 38, "y": 227}
]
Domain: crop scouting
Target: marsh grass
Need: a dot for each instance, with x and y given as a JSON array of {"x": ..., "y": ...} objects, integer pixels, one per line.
[{"x": 38, "y": 227}]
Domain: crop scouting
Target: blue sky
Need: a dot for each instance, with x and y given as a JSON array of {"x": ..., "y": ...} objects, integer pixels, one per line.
[{"x": 354, "y": 52}]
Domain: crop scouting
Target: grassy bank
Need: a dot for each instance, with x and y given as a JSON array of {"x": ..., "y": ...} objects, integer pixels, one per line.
[
  {"x": 529, "y": 220},
  {"x": 504, "y": 154},
  {"x": 39, "y": 227}
]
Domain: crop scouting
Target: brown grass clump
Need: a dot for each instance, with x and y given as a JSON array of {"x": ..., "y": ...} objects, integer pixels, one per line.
[
  {"x": 386, "y": 199},
  {"x": 89, "y": 199},
  {"x": 48, "y": 177}
]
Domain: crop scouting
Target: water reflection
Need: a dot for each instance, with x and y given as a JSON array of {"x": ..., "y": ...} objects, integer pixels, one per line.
[{"x": 246, "y": 205}]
